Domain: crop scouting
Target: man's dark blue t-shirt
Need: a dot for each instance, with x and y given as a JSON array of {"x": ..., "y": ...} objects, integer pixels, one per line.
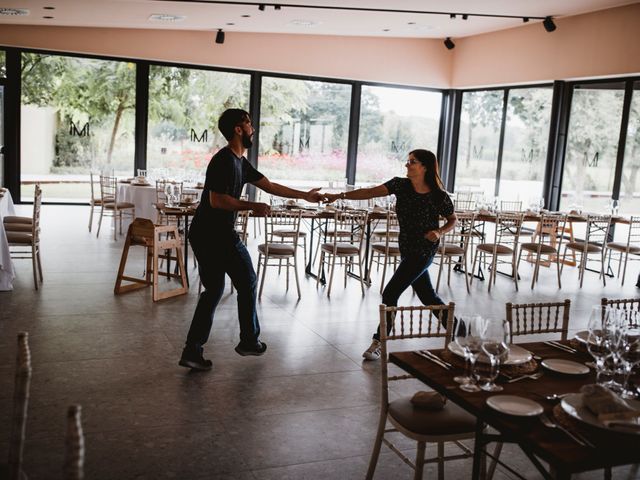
[{"x": 226, "y": 174}]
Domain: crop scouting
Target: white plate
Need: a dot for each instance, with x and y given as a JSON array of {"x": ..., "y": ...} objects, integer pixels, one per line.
[
  {"x": 572, "y": 405},
  {"x": 517, "y": 355},
  {"x": 514, "y": 405},
  {"x": 567, "y": 367}
]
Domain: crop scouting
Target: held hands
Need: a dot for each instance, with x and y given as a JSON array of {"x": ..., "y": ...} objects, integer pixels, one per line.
[
  {"x": 433, "y": 235},
  {"x": 331, "y": 197},
  {"x": 261, "y": 209},
  {"x": 313, "y": 196}
]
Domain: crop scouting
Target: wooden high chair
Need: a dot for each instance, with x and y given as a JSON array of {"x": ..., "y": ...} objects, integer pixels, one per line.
[{"x": 142, "y": 232}]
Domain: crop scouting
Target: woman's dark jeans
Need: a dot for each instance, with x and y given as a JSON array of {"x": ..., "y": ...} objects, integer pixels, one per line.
[{"x": 412, "y": 271}]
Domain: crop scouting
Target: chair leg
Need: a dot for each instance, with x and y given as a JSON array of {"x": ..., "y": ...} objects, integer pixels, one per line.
[
  {"x": 39, "y": 264},
  {"x": 473, "y": 267},
  {"x": 420, "y": 460},
  {"x": 583, "y": 265},
  {"x": 360, "y": 274},
  {"x": 514, "y": 270},
  {"x": 494, "y": 461},
  {"x": 90, "y": 217},
  {"x": 264, "y": 274},
  {"x": 466, "y": 273},
  {"x": 34, "y": 264},
  {"x": 295, "y": 272},
  {"x": 559, "y": 270},
  {"x": 320, "y": 265},
  {"x": 376, "y": 446},
  {"x": 100, "y": 221},
  {"x": 384, "y": 273},
  {"x": 332, "y": 260},
  {"x": 602, "y": 272},
  {"x": 439, "y": 272},
  {"x": 624, "y": 270}
]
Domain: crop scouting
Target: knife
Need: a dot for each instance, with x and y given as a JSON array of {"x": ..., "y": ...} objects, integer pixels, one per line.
[
  {"x": 560, "y": 346},
  {"x": 434, "y": 360},
  {"x": 431, "y": 354}
]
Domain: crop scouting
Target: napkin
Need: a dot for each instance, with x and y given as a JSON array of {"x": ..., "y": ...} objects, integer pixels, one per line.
[
  {"x": 428, "y": 400},
  {"x": 484, "y": 211},
  {"x": 610, "y": 409}
]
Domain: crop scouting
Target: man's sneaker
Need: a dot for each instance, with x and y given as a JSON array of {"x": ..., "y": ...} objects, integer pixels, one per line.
[
  {"x": 192, "y": 358},
  {"x": 256, "y": 349},
  {"x": 373, "y": 352}
]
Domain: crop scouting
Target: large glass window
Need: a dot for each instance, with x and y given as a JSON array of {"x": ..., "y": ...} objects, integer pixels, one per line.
[
  {"x": 394, "y": 121},
  {"x": 592, "y": 146},
  {"x": 629, "y": 188},
  {"x": 77, "y": 116},
  {"x": 3, "y": 64},
  {"x": 304, "y": 130},
  {"x": 525, "y": 144},
  {"x": 478, "y": 142},
  {"x": 184, "y": 107}
]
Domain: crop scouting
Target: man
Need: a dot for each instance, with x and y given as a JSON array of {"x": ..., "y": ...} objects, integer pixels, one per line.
[{"x": 216, "y": 244}]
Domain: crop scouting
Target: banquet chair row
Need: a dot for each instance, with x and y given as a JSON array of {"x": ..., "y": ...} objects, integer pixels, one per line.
[
  {"x": 73, "y": 468},
  {"x": 23, "y": 236}
]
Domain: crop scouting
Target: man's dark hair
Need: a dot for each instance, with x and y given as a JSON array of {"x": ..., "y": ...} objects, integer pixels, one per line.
[{"x": 229, "y": 119}]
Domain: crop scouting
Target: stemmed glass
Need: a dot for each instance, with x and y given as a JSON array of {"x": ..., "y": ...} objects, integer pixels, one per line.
[
  {"x": 629, "y": 355},
  {"x": 461, "y": 339},
  {"x": 495, "y": 344},
  {"x": 598, "y": 340},
  {"x": 473, "y": 331}
]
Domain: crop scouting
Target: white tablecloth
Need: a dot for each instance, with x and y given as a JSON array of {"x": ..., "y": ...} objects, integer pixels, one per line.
[
  {"x": 142, "y": 197},
  {"x": 7, "y": 273}
]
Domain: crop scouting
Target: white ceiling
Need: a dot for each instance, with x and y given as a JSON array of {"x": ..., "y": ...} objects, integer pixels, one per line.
[{"x": 208, "y": 16}]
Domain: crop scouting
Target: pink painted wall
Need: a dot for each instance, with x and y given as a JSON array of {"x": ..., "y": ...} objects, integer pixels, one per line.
[
  {"x": 604, "y": 43},
  {"x": 422, "y": 62}
]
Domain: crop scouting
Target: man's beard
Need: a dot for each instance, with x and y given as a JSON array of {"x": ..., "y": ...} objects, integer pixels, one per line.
[{"x": 246, "y": 140}]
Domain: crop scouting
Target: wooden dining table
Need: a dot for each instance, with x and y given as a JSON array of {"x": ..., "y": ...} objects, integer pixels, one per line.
[{"x": 538, "y": 442}]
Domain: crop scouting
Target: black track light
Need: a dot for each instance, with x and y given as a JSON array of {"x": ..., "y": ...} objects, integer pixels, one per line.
[
  {"x": 449, "y": 43},
  {"x": 220, "y": 36},
  {"x": 277, "y": 7},
  {"x": 261, "y": 7},
  {"x": 465, "y": 16},
  {"x": 525, "y": 19},
  {"x": 549, "y": 25},
  {"x": 452, "y": 15}
]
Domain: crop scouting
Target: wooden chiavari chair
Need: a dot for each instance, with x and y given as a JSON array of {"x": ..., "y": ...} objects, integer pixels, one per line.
[
  {"x": 630, "y": 247},
  {"x": 595, "y": 243}
]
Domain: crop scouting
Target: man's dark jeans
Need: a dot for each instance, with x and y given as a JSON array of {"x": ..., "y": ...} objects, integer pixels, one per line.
[
  {"x": 215, "y": 259},
  {"x": 412, "y": 271}
]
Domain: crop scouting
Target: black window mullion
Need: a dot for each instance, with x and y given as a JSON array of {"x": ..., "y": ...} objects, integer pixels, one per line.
[
  {"x": 142, "y": 116},
  {"x": 354, "y": 129},
  {"x": 452, "y": 136},
  {"x": 12, "y": 97},
  {"x": 254, "y": 109},
  {"x": 560, "y": 114},
  {"x": 503, "y": 123},
  {"x": 622, "y": 140}
]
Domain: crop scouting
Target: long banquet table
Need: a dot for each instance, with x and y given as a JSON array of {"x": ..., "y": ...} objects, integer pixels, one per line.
[
  {"x": 538, "y": 442},
  {"x": 7, "y": 273}
]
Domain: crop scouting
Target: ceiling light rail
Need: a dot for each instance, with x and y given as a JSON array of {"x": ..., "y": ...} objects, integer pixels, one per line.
[{"x": 279, "y": 5}]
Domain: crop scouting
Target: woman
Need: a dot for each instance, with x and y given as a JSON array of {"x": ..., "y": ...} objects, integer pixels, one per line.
[{"x": 420, "y": 202}]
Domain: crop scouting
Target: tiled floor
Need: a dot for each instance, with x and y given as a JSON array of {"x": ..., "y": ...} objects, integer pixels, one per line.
[{"x": 307, "y": 409}]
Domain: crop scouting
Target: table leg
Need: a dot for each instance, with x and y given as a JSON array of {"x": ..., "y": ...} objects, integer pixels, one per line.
[{"x": 478, "y": 451}]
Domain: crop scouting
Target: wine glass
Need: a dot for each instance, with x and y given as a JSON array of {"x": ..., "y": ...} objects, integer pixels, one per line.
[
  {"x": 629, "y": 358},
  {"x": 473, "y": 347},
  {"x": 168, "y": 192},
  {"x": 598, "y": 340},
  {"x": 461, "y": 340},
  {"x": 495, "y": 344}
]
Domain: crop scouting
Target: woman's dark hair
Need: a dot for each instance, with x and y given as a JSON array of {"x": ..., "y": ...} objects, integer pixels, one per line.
[
  {"x": 229, "y": 119},
  {"x": 431, "y": 175}
]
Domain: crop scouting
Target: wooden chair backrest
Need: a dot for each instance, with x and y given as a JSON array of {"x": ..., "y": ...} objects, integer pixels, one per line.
[
  {"x": 20, "y": 404},
  {"x": 410, "y": 323},
  {"x": 534, "y": 318}
]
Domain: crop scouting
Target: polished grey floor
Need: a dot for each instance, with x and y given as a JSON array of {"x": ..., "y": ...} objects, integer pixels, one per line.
[{"x": 307, "y": 409}]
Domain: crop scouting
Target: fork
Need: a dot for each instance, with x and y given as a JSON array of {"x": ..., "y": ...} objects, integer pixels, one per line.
[
  {"x": 547, "y": 422},
  {"x": 532, "y": 376}
]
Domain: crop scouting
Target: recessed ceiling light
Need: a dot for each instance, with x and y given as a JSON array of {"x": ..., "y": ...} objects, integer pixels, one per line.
[
  {"x": 411, "y": 23},
  {"x": 47, "y": 16},
  {"x": 166, "y": 17},
  {"x": 386, "y": 29},
  {"x": 246, "y": 16},
  {"x": 304, "y": 23},
  {"x": 49, "y": 8},
  {"x": 230, "y": 23},
  {"x": 14, "y": 12}
]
